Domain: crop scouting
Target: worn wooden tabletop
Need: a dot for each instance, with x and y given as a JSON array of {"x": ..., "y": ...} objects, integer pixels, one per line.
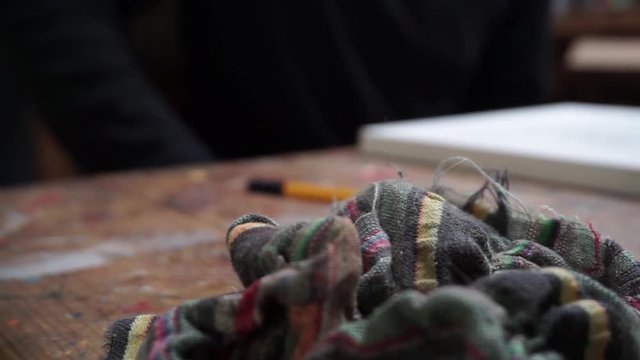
[{"x": 76, "y": 255}]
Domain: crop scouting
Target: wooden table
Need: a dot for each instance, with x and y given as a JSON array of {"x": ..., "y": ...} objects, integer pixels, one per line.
[{"x": 74, "y": 256}]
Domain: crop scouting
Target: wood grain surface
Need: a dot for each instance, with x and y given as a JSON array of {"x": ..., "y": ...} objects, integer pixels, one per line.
[{"x": 77, "y": 255}]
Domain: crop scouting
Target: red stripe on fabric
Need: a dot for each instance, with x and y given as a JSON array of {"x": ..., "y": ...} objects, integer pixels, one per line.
[
  {"x": 165, "y": 348},
  {"x": 353, "y": 210},
  {"x": 634, "y": 302},
  {"x": 245, "y": 318},
  {"x": 596, "y": 240},
  {"x": 373, "y": 250},
  {"x": 373, "y": 233},
  {"x": 159, "y": 343},
  {"x": 305, "y": 321}
]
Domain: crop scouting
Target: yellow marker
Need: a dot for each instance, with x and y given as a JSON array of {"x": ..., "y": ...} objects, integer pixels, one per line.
[{"x": 302, "y": 190}]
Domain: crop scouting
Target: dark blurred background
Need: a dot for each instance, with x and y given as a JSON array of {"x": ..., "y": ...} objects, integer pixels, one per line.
[{"x": 594, "y": 57}]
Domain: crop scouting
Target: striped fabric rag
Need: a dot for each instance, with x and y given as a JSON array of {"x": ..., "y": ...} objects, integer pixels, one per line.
[{"x": 410, "y": 273}]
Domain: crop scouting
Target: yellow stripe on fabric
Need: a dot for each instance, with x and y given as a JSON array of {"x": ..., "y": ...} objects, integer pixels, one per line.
[
  {"x": 599, "y": 333},
  {"x": 481, "y": 209},
  {"x": 570, "y": 291},
  {"x": 426, "y": 242},
  {"x": 137, "y": 334},
  {"x": 233, "y": 235}
]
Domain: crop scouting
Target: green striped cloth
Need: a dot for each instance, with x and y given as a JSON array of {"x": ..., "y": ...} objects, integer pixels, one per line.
[{"x": 401, "y": 272}]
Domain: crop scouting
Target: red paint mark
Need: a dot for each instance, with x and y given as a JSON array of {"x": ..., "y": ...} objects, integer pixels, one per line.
[
  {"x": 44, "y": 200},
  {"x": 138, "y": 308},
  {"x": 245, "y": 318},
  {"x": 596, "y": 240},
  {"x": 13, "y": 322}
]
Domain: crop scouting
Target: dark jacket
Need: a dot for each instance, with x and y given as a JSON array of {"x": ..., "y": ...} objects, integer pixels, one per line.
[{"x": 274, "y": 75}]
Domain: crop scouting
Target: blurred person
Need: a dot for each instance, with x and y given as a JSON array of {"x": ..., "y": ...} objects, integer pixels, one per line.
[
  {"x": 16, "y": 149},
  {"x": 272, "y": 76},
  {"x": 73, "y": 59},
  {"x": 290, "y": 75}
]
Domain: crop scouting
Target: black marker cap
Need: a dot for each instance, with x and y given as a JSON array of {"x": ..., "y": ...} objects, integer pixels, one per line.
[{"x": 265, "y": 186}]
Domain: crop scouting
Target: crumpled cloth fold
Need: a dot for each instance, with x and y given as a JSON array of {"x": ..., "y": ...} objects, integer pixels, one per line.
[{"x": 400, "y": 272}]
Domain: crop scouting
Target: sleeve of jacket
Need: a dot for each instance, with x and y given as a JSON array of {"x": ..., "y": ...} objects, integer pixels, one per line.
[
  {"x": 516, "y": 63},
  {"x": 88, "y": 86}
]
